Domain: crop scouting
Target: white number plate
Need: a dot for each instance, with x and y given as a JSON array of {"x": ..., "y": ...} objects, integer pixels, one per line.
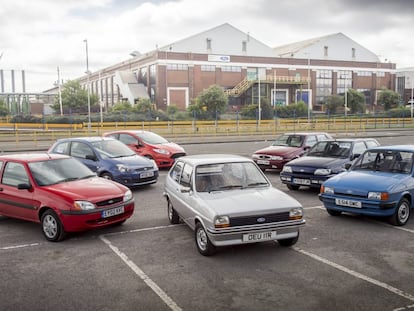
[
  {"x": 301, "y": 181},
  {"x": 146, "y": 174},
  {"x": 259, "y": 236},
  {"x": 264, "y": 162},
  {"x": 348, "y": 203},
  {"x": 112, "y": 212}
]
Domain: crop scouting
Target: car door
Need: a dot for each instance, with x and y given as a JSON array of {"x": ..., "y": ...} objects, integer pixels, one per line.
[
  {"x": 85, "y": 154},
  {"x": 132, "y": 142},
  {"x": 14, "y": 202}
]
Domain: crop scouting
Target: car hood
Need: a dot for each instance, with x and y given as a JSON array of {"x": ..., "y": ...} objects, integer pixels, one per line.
[
  {"x": 133, "y": 160},
  {"x": 278, "y": 150},
  {"x": 94, "y": 189},
  {"x": 360, "y": 182},
  {"x": 241, "y": 202},
  {"x": 325, "y": 162}
]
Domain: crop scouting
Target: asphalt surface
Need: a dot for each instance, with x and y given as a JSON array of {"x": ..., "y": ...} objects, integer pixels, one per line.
[{"x": 339, "y": 263}]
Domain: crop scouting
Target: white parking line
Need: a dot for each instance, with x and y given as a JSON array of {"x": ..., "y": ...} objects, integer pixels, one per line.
[
  {"x": 168, "y": 301},
  {"x": 19, "y": 246},
  {"x": 314, "y": 207},
  {"x": 357, "y": 274}
]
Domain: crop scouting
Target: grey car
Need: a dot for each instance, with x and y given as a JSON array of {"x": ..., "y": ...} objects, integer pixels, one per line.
[{"x": 227, "y": 200}]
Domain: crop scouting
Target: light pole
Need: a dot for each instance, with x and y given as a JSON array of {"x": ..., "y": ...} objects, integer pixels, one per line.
[
  {"x": 89, "y": 95},
  {"x": 309, "y": 91},
  {"x": 60, "y": 92}
]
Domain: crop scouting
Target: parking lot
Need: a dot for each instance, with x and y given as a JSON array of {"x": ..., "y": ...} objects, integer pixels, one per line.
[{"x": 339, "y": 263}]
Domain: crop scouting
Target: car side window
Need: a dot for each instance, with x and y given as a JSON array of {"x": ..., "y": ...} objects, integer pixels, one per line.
[
  {"x": 128, "y": 139},
  {"x": 62, "y": 148},
  {"x": 371, "y": 143},
  {"x": 359, "y": 148},
  {"x": 176, "y": 171},
  {"x": 322, "y": 137},
  {"x": 15, "y": 174},
  {"x": 186, "y": 176},
  {"x": 310, "y": 141},
  {"x": 80, "y": 150}
]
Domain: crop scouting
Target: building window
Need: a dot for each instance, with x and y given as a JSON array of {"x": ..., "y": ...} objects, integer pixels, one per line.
[
  {"x": 364, "y": 73},
  {"x": 323, "y": 85},
  {"x": 244, "y": 46},
  {"x": 353, "y": 52},
  {"x": 344, "y": 81},
  {"x": 231, "y": 68},
  {"x": 208, "y": 68},
  {"x": 177, "y": 67},
  {"x": 152, "y": 74},
  {"x": 208, "y": 42},
  {"x": 380, "y": 74},
  {"x": 325, "y": 51}
]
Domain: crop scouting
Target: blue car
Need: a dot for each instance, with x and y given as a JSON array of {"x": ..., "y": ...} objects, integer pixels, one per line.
[
  {"x": 322, "y": 161},
  {"x": 379, "y": 183},
  {"x": 110, "y": 159}
]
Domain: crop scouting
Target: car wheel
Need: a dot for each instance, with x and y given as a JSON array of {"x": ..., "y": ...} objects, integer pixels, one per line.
[
  {"x": 52, "y": 227},
  {"x": 288, "y": 242},
  {"x": 333, "y": 212},
  {"x": 292, "y": 187},
  {"x": 172, "y": 214},
  {"x": 106, "y": 176},
  {"x": 204, "y": 246},
  {"x": 402, "y": 213}
]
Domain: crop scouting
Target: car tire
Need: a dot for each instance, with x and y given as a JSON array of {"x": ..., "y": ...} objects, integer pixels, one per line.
[
  {"x": 333, "y": 212},
  {"x": 292, "y": 187},
  {"x": 52, "y": 227},
  {"x": 172, "y": 214},
  {"x": 106, "y": 176},
  {"x": 288, "y": 242},
  {"x": 402, "y": 213},
  {"x": 203, "y": 243}
]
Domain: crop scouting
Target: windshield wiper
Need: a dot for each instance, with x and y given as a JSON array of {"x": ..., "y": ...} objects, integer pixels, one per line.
[
  {"x": 260, "y": 183},
  {"x": 67, "y": 179},
  {"x": 230, "y": 187}
]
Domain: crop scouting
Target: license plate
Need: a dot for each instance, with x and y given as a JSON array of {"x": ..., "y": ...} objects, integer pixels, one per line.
[
  {"x": 301, "y": 181},
  {"x": 112, "y": 212},
  {"x": 146, "y": 174},
  {"x": 259, "y": 236},
  {"x": 264, "y": 162},
  {"x": 349, "y": 203}
]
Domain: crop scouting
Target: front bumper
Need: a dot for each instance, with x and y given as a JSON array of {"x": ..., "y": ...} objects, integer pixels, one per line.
[
  {"x": 234, "y": 235},
  {"x": 313, "y": 181}
]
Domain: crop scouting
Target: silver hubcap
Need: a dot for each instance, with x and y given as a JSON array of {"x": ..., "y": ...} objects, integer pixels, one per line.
[
  {"x": 403, "y": 212},
  {"x": 170, "y": 211},
  {"x": 202, "y": 239},
  {"x": 50, "y": 226}
]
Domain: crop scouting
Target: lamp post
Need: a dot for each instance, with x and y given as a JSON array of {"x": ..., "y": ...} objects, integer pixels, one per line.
[
  {"x": 60, "y": 92},
  {"x": 89, "y": 95},
  {"x": 309, "y": 91}
]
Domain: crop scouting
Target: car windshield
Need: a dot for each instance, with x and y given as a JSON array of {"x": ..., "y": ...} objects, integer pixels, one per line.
[
  {"x": 331, "y": 149},
  {"x": 228, "y": 176},
  {"x": 289, "y": 140},
  {"x": 112, "y": 148},
  {"x": 385, "y": 161},
  {"x": 152, "y": 138},
  {"x": 56, "y": 171}
]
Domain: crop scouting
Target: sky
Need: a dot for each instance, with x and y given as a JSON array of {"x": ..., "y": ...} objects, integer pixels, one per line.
[{"x": 40, "y": 36}]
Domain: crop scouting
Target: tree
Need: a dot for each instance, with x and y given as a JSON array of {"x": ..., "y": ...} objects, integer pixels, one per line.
[
  {"x": 388, "y": 99},
  {"x": 333, "y": 102},
  {"x": 4, "y": 111},
  {"x": 355, "y": 101},
  {"x": 210, "y": 101},
  {"x": 143, "y": 105},
  {"x": 75, "y": 98}
]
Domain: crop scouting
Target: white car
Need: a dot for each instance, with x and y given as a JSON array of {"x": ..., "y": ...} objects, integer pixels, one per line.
[{"x": 227, "y": 200}]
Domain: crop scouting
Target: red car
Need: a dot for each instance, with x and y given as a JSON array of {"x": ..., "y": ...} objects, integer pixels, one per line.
[
  {"x": 285, "y": 148},
  {"x": 61, "y": 193},
  {"x": 150, "y": 145}
]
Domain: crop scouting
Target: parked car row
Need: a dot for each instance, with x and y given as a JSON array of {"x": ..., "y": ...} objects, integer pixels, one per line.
[{"x": 83, "y": 183}]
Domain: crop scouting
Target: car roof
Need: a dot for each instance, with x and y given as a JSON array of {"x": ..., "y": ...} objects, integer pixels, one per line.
[
  {"x": 408, "y": 148},
  {"x": 32, "y": 157},
  {"x": 201, "y": 159},
  {"x": 130, "y": 131},
  {"x": 89, "y": 138},
  {"x": 306, "y": 133},
  {"x": 349, "y": 139}
]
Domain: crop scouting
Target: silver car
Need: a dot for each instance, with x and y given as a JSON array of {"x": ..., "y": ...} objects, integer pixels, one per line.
[{"x": 227, "y": 200}]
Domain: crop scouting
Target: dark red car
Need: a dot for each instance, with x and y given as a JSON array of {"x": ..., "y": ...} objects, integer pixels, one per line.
[
  {"x": 150, "y": 145},
  {"x": 287, "y": 147},
  {"x": 61, "y": 193}
]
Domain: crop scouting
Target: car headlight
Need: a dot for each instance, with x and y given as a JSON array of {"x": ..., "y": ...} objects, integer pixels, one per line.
[
  {"x": 296, "y": 213},
  {"x": 383, "y": 196},
  {"x": 83, "y": 205},
  {"x": 222, "y": 222},
  {"x": 122, "y": 168},
  {"x": 127, "y": 196},
  {"x": 327, "y": 190},
  {"x": 287, "y": 169},
  {"x": 276, "y": 158},
  {"x": 322, "y": 171},
  {"x": 162, "y": 151}
]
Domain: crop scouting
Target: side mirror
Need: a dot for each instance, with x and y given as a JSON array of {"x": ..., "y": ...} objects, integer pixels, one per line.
[
  {"x": 91, "y": 157},
  {"x": 185, "y": 189},
  {"x": 348, "y": 165},
  {"x": 355, "y": 156},
  {"x": 24, "y": 186}
]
